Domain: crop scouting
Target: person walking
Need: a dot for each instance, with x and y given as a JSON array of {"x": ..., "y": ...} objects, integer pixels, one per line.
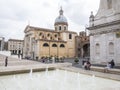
[{"x": 6, "y": 61}]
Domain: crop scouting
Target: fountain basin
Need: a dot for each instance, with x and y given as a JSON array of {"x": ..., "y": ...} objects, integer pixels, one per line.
[{"x": 56, "y": 80}]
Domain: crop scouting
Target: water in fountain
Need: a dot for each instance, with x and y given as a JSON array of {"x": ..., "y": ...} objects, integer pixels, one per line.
[
  {"x": 30, "y": 74},
  {"x": 56, "y": 80},
  {"x": 46, "y": 71},
  {"x": 14, "y": 77}
]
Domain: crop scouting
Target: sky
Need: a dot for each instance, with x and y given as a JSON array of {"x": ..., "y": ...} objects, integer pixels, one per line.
[{"x": 15, "y": 15}]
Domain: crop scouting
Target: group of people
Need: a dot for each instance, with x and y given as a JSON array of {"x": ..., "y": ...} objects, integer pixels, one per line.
[{"x": 87, "y": 65}]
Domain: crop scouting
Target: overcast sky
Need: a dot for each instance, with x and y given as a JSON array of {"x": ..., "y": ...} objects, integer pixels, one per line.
[{"x": 16, "y": 14}]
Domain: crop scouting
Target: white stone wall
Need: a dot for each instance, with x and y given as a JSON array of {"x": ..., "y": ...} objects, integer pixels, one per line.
[
  {"x": 104, "y": 41},
  {"x": 105, "y": 14}
]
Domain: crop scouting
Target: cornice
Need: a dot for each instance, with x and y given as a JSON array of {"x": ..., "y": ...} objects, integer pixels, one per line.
[
  {"x": 104, "y": 25},
  {"x": 52, "y": 40},
  {"x": 105, "y": 32}
]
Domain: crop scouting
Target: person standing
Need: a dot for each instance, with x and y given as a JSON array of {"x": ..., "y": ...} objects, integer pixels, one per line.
[{"x": 6, "y": 61}]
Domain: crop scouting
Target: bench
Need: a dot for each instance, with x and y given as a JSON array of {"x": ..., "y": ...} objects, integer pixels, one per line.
[{"x": 102, "y": 69}]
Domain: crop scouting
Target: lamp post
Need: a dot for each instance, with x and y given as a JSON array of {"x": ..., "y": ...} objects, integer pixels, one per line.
[
  {"x": 49, "y": 50},
  {"x": 58, "y": 49}
]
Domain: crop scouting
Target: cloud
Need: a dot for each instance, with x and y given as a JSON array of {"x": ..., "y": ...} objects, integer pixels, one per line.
[{"x": 15, "y": 14}]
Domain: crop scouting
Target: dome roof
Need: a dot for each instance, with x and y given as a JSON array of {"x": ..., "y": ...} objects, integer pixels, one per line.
[{"x": 61, "y": 18}]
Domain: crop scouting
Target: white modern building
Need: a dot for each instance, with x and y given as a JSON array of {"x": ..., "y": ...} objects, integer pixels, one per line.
[
  {"x": 1, "y": 43},
  {"x": 15, "y": 46},
  {"x": 105, "y": 32}
]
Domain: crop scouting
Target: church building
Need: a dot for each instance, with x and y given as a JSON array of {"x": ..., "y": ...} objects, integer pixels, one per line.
[
  {"x": 42, "y": 42},
  {"x": 105, "y": 32}
]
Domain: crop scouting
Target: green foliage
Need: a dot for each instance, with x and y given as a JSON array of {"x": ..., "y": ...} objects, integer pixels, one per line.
[{"x": 76, "y": 60}]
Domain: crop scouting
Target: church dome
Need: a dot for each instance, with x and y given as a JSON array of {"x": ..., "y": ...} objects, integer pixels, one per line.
[{"x": 61, "y": 19}]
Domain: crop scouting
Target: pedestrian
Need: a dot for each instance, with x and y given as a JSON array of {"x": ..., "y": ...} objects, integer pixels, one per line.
[
  {"x": 6, "y": 61},
  {"x": 112, "y": 63}
]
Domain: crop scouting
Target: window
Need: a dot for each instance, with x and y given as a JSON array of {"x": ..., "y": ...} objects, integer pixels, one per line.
[
  {"x": 97, "y": 48},
  {"x": 55, "y": 28},
  {"x": 78, "y": 49},
  {"x": 51, "y": 38},
  {"x": 45, "y": 45},
  {"x": 48, "y": 34},
  {"x": 43, "y": 37},
  {"x": 55, "y": 35},
  {"x": 40, "y": 34},
  {"x": 64, "y": 28},
  {"x": 70, "y": 36},
  {"x": 111, "y": 48},
  {"x": 109, "y": 3},
  {"x": 59, "y": 27},
  {"x": 62, "y": 45},
  {"x": 54, "y": 45}
]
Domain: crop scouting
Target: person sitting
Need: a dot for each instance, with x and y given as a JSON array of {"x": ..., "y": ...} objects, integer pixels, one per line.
[
  {"x": 87, "y": 65},
  {"x": 112, "y": 63},
  {"x": 108, "y": 66}
]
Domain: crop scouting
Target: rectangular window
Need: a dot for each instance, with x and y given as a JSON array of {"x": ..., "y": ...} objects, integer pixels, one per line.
[
  {"x": 70, "y": 36},
  {"x": 59, "y": 27},
  {"x": 64, "y": 28},
  {"x": 109, "y": 2}
]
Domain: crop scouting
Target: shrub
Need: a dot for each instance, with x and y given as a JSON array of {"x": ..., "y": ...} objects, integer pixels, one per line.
[{"x": 76, "y": 60}]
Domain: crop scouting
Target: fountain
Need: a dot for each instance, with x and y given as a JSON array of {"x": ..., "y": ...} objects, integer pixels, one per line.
[
  {"x": 30, "y": 74},
  {"x": 56, "y": 80}
]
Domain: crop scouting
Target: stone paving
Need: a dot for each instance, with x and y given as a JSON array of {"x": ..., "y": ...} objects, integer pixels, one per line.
[{"x": 15, "y": 65}]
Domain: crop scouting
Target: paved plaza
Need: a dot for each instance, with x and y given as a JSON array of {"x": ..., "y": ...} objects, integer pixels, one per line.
[{"x": 22, "y": 65}]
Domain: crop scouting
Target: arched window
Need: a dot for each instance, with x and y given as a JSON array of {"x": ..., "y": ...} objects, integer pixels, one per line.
[
  {"x": 111, "y": 48},
  {"x": 48, "y": 34},
  {"x": 70, "y": 36},
  {"x": 55, "y": 35},
  {"x": 54, "y": 45},
  {"x": 62, "y": 45},
  {"x": 97, "y": 48},
  {"x": 40, "y": 33},
  {"x": 45, "y": 45}
]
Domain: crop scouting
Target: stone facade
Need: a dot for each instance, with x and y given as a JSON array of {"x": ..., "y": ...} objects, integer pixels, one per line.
[
  {"x": 15, "y": 46},
  {"x": 82, "y": 45},
  {"x": 105, "y": 32},
  {"x": 42, "y": 42}
]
